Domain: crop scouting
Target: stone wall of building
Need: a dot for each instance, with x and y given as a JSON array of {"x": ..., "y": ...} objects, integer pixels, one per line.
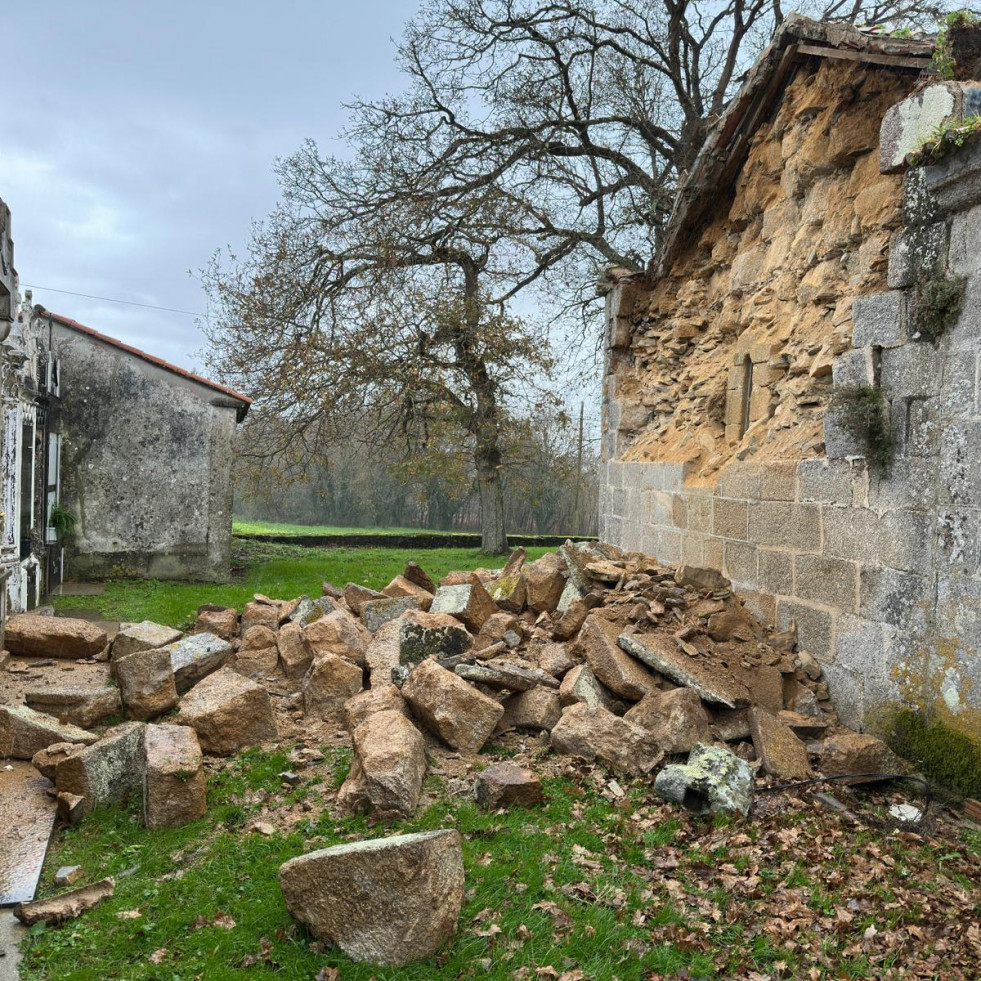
[
  {"x": 147, "y": 460},
  {"x": 880, "y": 572}
]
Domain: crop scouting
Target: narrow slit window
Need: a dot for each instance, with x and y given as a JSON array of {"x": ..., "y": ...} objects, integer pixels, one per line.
[{"x": 747, "y": 399}]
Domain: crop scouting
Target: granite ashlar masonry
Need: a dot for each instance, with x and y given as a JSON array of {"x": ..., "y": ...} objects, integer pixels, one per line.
[{"x": 881, "y": 573}]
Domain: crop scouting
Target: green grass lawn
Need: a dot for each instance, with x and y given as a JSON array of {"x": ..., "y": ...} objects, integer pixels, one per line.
[
  {"x": 581, "y": 888},
  {"x": 243, "y": 527},
  {"x": 279, "y": 571}
]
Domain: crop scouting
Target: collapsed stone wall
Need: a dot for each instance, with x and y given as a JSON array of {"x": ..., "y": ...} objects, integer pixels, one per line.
[
  {"x": 769, "y": 283},
  {"x": 880, "y": 572}
]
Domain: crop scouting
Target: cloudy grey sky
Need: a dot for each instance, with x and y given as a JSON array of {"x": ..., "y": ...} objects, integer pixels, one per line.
[{"x": 141, "y": 136}]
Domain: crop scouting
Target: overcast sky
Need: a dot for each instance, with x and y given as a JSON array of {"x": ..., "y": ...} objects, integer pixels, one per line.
[{"x": 141, "y": 136}]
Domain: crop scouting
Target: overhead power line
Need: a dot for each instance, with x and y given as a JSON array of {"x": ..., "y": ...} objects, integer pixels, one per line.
[{"x": 110, "y": 299}]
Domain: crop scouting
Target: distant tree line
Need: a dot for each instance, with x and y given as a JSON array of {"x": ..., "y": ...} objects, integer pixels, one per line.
[{"x": 550, "y": 481}]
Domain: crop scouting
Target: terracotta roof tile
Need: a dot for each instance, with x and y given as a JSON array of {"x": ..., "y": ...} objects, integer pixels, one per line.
[{"x": 152, "y": 359}]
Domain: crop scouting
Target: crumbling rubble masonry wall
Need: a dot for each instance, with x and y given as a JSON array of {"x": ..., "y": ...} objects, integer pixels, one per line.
[
  {"x": 879, "y": 572},
  {"x": 146, "y": 465}
]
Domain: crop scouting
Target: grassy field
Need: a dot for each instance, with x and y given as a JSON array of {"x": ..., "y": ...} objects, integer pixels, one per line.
[
  {"x": 279, "y": 571},
  {"x": 585, "y": 887},
  {"x": 242, "y": 527}
]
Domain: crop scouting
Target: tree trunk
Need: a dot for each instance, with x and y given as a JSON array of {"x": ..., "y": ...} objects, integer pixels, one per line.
[
  {"x": 485, "y": 425},
  {"x": 494, "y": 539}
]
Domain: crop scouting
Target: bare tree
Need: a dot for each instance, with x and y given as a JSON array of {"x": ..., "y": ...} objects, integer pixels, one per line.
[
  {"x": 367, "y": 295},
  {"x": 586, "y": 112}
]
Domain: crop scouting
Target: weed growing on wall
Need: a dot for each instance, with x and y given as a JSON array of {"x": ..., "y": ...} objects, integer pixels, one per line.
[
  {"x": 864, "y": 412},
  {"x": 944, "y": 62},
  {"x": 936, "y": 305},
  {"x": 944, "y": 140}
]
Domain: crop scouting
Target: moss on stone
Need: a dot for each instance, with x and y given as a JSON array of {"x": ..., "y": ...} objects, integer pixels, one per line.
[{"x": 948, "y": 757}]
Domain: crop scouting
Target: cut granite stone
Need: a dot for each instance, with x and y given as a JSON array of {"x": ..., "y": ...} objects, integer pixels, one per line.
[
  {"x": 338, "y": 633},
  {"x": 24, "y": 732},
  {"x": 376, "y": 613},
  {"x": 29, "y": 635},
  {"x": 417, "y": 575},
  {"x": 78, "y": 705},
  {"x": 387, "y": 769},
  {"x": 423, "y": 635},
  {"x": 108, "y": 770},
  {"x": 450, "y": 708},
  {"x": 544, "y": 582},
  {"x": 400, "y": 586},
  {"x": 596, "y": 734},
  {"x": 509, "y": 591},
  {"x": 221, "y": 621},
  {"x": 356, "y": 596},
  {"x": 383, "y": 653},
  {"x": 329, "y": 683},
  {"x": 228, "y": 712},
  {"x": 195, "y": 657},
  {"x": 676, "y": 719},
  {"x": 295, "y": 653},
  {"x": 146, "y": 683},
  {"x": 388, "y": 901},
  {"x": 622, "y": 674},
  {"x": 174, "y": 788},
  {"x": 538, "y": 710},
  {"x": 783, "y": 755},
  {"x": 581, "y": 685},
  {"x": 143, "y": 636},
  {"x": 855, "y": 752},
  {"x": 469, "y": 603},
  {"x": 380, "y": 698},
  {"x": 507, "y": 785}
]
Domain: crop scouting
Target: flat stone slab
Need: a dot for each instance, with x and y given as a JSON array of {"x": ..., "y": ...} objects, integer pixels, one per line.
[
  {"x": 711, "y": 684},
  {"x": 11, "y": 933},
  {"x": 77, "y": 705},
  {"x": 29, "y": 635},
  {"x": 503, "y": 675},
  {"x": 27, "y": 816}
]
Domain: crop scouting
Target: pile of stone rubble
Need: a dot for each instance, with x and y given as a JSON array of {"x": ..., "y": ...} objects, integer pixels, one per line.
[{"x": 621, "y": 660}]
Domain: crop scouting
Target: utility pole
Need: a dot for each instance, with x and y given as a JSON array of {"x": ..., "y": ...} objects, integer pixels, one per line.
[{"x": 575, "y": 506}]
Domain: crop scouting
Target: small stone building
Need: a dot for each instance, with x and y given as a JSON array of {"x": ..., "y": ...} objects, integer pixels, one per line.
[
  {"x": 789, "y": 288},
  {"x": 146, "y": 458}
]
